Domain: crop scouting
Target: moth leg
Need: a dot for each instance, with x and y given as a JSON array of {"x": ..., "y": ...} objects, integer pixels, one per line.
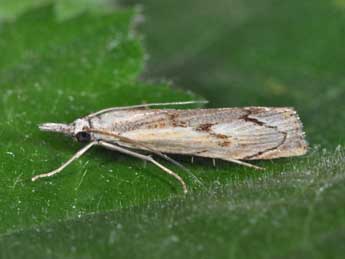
[
  {"x": 145, "y": 158},
  {"x": 214, "y": 162},
  {"x": 128, "y": 140},
  {"x": 239, "y": 162},
  {"x": 74, "y": 157},
  {"x": 192, "y": 159}
]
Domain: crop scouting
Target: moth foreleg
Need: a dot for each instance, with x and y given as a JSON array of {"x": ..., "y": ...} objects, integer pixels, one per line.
[
  {"x": 145, "y": 158},
  {"x": 74, "y": 157},
  {"x": 239, "y": 162}
]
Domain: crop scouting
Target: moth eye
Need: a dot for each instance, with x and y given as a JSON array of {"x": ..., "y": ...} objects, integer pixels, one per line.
[{"x": 83, "y": 136}]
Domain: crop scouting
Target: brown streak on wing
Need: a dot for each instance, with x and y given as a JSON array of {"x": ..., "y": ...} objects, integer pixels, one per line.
[
  {"x": 205, "y": 127},
  {"x": 293, "y": 143},
  {"x": 247, "y": 118}
]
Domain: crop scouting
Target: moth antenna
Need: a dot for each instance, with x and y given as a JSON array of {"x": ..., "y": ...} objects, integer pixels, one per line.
[
  {"x": 239, "y": 162},
  {"x": 145, "y": 105}
]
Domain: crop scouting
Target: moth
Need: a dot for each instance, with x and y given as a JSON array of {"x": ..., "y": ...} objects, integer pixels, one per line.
[{"x": 236, "y": 135}]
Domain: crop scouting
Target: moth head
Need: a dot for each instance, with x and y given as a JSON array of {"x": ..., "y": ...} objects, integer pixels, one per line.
[
  {"x": 76, "y": 129},
  {"x": 80, "y": 133}
]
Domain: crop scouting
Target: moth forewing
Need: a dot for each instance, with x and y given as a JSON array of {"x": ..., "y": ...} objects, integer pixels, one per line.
[
  {"x": 232, "y": 134},
  {"x": 237, "y": 133}
]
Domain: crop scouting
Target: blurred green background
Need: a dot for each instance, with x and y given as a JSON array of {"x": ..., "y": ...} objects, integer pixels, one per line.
[{"x": 62, "y": 59}]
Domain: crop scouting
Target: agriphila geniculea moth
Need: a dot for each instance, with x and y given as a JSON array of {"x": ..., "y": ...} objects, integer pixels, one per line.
[{"x": 232, "y": 134}]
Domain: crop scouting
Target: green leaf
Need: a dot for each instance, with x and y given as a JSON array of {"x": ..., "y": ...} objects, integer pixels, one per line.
[
  {"x": 291, "y": 213},
  {"x": 64, "y": 9},
  {"x": 9, "y": 9}
]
